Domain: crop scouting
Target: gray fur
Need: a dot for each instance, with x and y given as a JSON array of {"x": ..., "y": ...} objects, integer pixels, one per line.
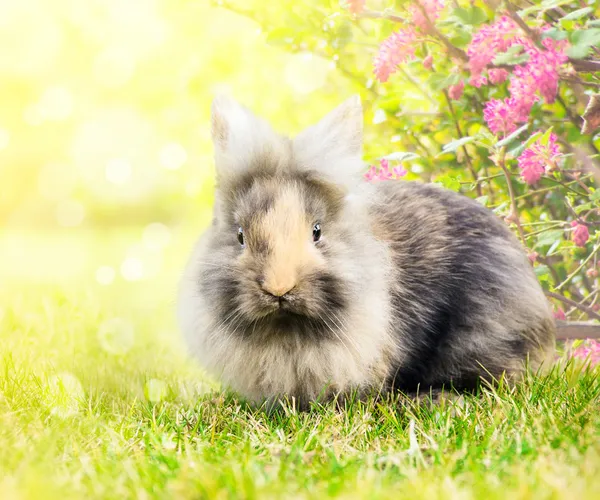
[{"x": 411, "y": 287}]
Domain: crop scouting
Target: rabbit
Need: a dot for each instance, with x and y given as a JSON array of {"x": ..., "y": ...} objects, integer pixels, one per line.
[{"x": 312, "y": 283}]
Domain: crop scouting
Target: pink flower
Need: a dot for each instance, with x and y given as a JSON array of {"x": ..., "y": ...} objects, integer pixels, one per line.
[
  {"x": 532, "y": 256},
  {"x": 455, "y": 92},
  {"x": 587, "y": 351},
  {"x": 489, "y": 41},
  {"x": 501, "y": 116},
  {"x": 371, "y": 173},
  {"x": 399, "y": 171},
  {"x": 559, "y": 314},
  {"x": 538, "y": 158},
  {"x": 394, "y": 50},
  {"x": 384, "y": 170},
  {"x": 497, "y": 75},
  {"x": 384, "y": 173},
  {"x": 478, "y": 81},
  {"x": 580, "y": 233},
  {"x": 428, "y": 62},
  {"x": 431, "y": 7},
  {"x": 356, "y": 6}
]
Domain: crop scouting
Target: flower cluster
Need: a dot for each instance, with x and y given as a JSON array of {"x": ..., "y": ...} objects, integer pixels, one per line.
[
  {"x": 489, "y": 41},
  {"x": 587, "y": 351},
  {"x": 383, "y": 173},
  {"x": 399, "y": 47},
  {"x": 538, "y": 159},
  {"x": 537, "y": 77},
  {"x": 456, "y": 91},
  {"x": 432, "y": 9},
  {"x": 501, "y": 115},
  {"x": 581, "y": 233}
]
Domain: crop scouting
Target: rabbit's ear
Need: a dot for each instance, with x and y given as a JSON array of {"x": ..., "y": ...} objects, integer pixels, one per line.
[
  {"x": 334, "y": 145},
  {"x": 240, "y": 138}
]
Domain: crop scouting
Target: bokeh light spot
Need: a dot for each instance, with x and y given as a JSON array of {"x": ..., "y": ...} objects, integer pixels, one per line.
[
  {"x": 114, "y": 67},
  {"x": 70, "y": 213},
  {"x": 56, "y": 181},
  {"x": 116, "y": 336},
  {"x": 305, "y": 73},
  {"x": 105, "y": 275},
  {"x": 118, "y": 171},
  {"x": 173, "y": 156},
  {"x": 132, "y": 269},
  {"x": 56, "y": 104},
  {"x": 64, "y": 394},
  {"x": 156, "y": 236}
]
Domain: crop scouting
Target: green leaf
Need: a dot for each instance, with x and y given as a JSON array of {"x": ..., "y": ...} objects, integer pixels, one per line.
[
  {"x": 595, "y": 195},
  {"x": 544, "y": 6},
  {"x": 449, "y": 182},
  {"x": 483, "y": 200},
  {"x": 542, "y": 272},
  {"x": 581, "y": 41},
  {"x": 584, "y": 207},
  {"x": 555, "y": 34},
  {"x": 455, "y": 144},
  {"x": 512, "y": 137},
  {"x": 440, "y": 81},
  {"x": 578, "y": 14},
  {"x": 532, "y": 139},
  {"x": 554, "y": 248},
  {"x": 461, "y": 38},
  {"x": 401, "y": 156},
  {"x": 547, "y": 238},
  {"x": 470, "y": 16},
  {"x": 514, "y": 55},
  {"x": 546, "y": 137}
]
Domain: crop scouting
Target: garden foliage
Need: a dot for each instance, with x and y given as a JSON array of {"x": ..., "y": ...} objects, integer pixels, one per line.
[{"x": 497, "y": 100}]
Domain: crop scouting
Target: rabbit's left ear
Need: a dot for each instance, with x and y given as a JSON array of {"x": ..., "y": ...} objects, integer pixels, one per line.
[
  {"x": 334, "y": 145},
  {"x": 239, "y": 137}
]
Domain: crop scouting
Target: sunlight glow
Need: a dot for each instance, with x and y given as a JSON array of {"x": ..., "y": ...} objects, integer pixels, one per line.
[{"x": 116, "y": 336}]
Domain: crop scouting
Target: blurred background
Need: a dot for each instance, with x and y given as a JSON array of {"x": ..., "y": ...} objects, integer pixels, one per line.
[{"x": 105, "y": 155}]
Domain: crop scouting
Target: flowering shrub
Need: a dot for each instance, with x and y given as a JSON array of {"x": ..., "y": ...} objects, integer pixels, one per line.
[
  {"x": 495, "y": 99},
  {"x": 587, "y": 351}
]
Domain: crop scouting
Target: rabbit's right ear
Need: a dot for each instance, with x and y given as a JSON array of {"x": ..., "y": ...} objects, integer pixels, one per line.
[{"x": 239, "y": 138}]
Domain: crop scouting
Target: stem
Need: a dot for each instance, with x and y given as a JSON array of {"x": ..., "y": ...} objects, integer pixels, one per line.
[
  {"x": 464, "y": 147},
  {"x": 514, "y": 214},
  {"x": 371, "y": 14},
  {"x": 581, "y": 266},
  {"x": 588, "y": 310},
  {"x": 583, "y": 66},
  {"x": 454, "y": 51}
]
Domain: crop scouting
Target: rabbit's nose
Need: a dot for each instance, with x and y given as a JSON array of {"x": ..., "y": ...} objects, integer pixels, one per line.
[{"x": 277, "y": 288}]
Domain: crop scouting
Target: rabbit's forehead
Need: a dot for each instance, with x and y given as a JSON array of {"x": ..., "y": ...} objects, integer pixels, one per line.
[{"x": 273, "y": 203}]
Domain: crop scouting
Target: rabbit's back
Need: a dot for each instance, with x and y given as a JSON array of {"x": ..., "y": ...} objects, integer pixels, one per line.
[{"x": 465, "y": 300}]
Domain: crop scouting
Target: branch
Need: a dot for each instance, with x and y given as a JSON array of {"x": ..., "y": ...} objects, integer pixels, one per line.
[
  {"x": 579, "y": 268},
  {"x": 585, "y": 66},
  {"x": 588, "y": 310},
  {"x": 514, "y": 213},
  {"x": 371, "y": 14},
  {"x": 464, "y": 147},
  {"x": 454, "y": 51}
]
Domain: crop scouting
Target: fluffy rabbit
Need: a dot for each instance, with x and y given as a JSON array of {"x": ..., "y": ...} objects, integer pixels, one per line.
[{"x": 312, "y": 282}]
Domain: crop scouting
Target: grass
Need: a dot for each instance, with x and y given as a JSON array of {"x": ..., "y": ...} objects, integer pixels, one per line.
[{"x": 93, "y": 407}]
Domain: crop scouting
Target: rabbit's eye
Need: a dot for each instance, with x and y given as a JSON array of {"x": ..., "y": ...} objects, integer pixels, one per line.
[
  {"x": 240, "y": 236},
  {"x": 316, "y": 232}
]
